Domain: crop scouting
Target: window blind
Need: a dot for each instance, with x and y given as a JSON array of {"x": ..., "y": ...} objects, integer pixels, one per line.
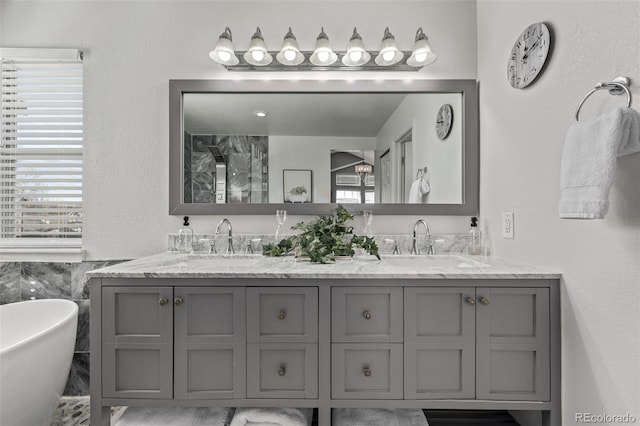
[{"x": 41, "y": 147}]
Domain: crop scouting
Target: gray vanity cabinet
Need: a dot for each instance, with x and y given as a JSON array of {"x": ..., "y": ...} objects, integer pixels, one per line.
[
  {"x": 484, "y": 343},
  {"x": 166, "y": 342}
]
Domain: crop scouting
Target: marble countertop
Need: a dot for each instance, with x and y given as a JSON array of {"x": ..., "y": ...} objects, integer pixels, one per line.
[{"x": 447, "y": 266}]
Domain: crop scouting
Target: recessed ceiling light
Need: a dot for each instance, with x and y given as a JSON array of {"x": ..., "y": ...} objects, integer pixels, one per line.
[{"x": 260, "y": 114}]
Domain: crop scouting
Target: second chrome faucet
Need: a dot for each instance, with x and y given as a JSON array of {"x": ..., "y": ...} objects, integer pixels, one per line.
[
  {"x": 414, "y": 243},
  {"x": 230, "y": 249}
]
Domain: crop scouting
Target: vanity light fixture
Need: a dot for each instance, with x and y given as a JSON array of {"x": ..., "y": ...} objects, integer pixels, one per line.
[
  {"x": 323, "y": 57},
  {"x": 290, "y": 55},
  {"x": 257, "y": 54},
  {"x": 421, "y": 54},
  {"x": 389, "y": 53},
  {"x": 223, "y": 53},
  {"x": 356, "y": 54},
  {"x": 323, "y": 54}
]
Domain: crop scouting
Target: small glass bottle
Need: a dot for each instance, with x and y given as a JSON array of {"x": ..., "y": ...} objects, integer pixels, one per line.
[
  {"x": 185, "y": 237},
  {"x": 475, "y": 241}
]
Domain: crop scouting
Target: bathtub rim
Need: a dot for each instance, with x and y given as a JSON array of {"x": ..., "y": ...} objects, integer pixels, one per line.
[{"x": 46, "y": 330}]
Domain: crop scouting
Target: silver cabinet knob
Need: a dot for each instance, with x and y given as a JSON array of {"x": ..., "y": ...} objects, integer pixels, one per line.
[
  {"x": 163, "y": 301},
  {"x": 366, "y": 370},
  {"x": 178, "y": 301},
  {"x": 471, "y": 301},
  {"x": 366, "y": 315},
  {"x": 484, "y": 300},
  {"x": 282, "y": 315},
  {"x": 282, "y": 370}
]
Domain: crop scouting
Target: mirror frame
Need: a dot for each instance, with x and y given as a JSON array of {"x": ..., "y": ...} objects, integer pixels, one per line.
[{"x": 470, "y": 140}]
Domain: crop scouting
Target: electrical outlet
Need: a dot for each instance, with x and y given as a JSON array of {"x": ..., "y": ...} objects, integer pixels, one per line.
[{"x": 507, "y": 225}]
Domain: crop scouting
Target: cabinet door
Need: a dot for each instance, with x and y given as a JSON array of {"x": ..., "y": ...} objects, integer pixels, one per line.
[
  {"x": 366, "y": 314},
  {"x": 439, "y": 351},
  {"x": 282, "y": 314},
  {"x": 209, "y": 348},
  {"x": 512, "y": 350},
  {"x": 137, "y": 327}
]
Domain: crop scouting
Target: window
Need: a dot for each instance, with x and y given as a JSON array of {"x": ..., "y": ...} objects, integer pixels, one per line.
[{"x": 41, "y": 149}]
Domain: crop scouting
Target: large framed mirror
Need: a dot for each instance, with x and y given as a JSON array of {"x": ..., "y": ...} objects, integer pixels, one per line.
[{"x": 392, "y": 147}]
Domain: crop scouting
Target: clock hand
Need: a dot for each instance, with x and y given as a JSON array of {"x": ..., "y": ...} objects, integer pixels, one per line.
[{"x": 526, "y": 55}]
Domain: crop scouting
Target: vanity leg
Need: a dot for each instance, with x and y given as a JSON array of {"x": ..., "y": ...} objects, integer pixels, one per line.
[
  {"x": 551, "y": 418},
  {"x": 100, "y": 415},
  {"x": 324, "y": 416}
]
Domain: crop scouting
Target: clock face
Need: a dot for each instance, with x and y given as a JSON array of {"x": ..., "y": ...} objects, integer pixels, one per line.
[
  {"x": 444, "y": 121},
  {"x": 528, "y": 55}
]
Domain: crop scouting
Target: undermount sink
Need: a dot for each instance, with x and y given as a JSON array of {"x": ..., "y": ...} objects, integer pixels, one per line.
[{"x": 433, "y": 261}]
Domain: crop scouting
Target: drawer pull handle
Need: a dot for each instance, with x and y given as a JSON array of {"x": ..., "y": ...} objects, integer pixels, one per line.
[
  {"x": 471, "y": 301},
  {"x": 178, "y": 301},
  {"x": 484, "y": 300},
  {"x": 163, "y": 301},
  {"x": 366, "y": 315},
  {"x": 366, "y": 371},
  {"x": 282, "y": 370},
  {"x": 282, "y": 315}
]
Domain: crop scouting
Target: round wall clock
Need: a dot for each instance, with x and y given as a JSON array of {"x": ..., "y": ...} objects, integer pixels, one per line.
[
  {"x": 528, "y": 55},
  {"x": 444, "y": 121}
]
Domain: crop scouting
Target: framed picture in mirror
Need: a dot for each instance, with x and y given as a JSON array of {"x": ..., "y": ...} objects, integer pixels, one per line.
[{"x": 297, "y": 186}]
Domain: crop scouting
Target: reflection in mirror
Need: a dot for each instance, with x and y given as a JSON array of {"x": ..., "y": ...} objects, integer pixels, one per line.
[
  {"x": 258, "y": 148},
  {"x": 252, "y": 147}
]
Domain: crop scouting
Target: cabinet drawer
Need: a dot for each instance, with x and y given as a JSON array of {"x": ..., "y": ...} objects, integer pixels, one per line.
[
  {"x": 366, "y": 371},
  {"x": 209, "y": 315},
  {"x": 282, "y": 370},
  {"x": 282, "y": 314},
  {"x": 366, "y": 314}
]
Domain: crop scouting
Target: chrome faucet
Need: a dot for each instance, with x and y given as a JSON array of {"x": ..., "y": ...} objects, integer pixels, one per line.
[
  {"x": 230, "y": 249},
  {"x": 414, "y": 245}
]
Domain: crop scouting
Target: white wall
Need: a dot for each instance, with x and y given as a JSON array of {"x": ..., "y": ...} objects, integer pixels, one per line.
[
  {"x": 308, "y": 152},
  {"x": 442, "y": 157},
  {"x": 133, "y": 48},
  {"x": 522, "y": 136}
]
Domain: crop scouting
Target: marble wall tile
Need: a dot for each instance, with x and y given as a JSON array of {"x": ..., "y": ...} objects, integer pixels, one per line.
[
  {"x": 9, "y": 282},
  {"x": 45, "y": 280},
  {"x": 82, "y": 334},
  {"x": 79, "y": 284},
  {"x": 78, "y": 381}
]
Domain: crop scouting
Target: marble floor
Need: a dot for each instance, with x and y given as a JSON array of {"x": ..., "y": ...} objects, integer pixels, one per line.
[{"x": 74, "y": 411}]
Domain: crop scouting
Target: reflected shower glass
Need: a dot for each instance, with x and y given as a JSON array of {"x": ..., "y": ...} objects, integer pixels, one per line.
[
  {"x": 281, "y": 217},
  {"x": 368, "y": 218}
]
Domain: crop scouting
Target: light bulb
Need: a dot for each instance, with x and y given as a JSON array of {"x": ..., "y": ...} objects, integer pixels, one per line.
[
  {"x": 388, "y": 55},
  {"x": 224, "y": 55},
  {"x": 289, "y": 55},
  {"x": 257, "y": 55},
  {"x": 421, "y": 57},
  {"x": 323, "y": 56},
  {"x": 355, "y": 55}
]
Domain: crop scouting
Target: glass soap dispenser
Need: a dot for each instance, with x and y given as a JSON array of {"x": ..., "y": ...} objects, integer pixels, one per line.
[
  {"x": 475, "y": 240},
  {"x": 185, "y": 237}
]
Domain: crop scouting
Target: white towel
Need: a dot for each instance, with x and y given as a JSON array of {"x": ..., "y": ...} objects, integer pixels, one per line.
[
  {"x": 272, "y": 417},
  {"x": 589, "y": 161},
  {"x": 418, "y": 188},
  {"x": 378, "y": 417},
  {"x": 175, "y": 416}
]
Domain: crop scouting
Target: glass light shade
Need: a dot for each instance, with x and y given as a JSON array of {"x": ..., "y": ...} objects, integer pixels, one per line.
[
  {"x": 257, "y": 53},
  {"x": 356, "y": 54},
  {"x": 290, "y": 54},
  {"x": 421, "y": 54},
  {"x": 363, "y": 169},
  {"x": 389, "y": 53},
  {"x": 224, "y": 53},
  {"x": 323, "y": 54}
]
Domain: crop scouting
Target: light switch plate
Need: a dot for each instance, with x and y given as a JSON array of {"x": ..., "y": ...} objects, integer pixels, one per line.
[{"x": 507, "y": 225}]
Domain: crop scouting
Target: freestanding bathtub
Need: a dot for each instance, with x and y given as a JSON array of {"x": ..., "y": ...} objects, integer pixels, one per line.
[{"x": 37, "y": 338}]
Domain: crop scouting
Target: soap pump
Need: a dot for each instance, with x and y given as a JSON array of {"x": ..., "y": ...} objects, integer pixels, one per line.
[
  {"x": 475, "y": 240},
  {"x": 185, "y": 237}
]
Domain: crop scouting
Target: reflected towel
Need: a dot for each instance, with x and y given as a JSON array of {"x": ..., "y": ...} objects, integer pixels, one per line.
[
  {"x": 272, "y": 417},
  {"x": 378, "y": 417},
  {"x": 175, "y": 416},
  {"x": 418, "y": 188},
  {"x": 589, "y": 161}
]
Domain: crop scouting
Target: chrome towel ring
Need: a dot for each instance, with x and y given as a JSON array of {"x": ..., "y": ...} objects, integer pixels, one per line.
[{"x": 618, "y": 86}]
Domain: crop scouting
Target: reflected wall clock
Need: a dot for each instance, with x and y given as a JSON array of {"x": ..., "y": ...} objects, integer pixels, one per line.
[{"x": 444, "y": 121}]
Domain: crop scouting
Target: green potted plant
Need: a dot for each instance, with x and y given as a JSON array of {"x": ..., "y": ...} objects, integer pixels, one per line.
[{"x": 323, "y": 239}]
